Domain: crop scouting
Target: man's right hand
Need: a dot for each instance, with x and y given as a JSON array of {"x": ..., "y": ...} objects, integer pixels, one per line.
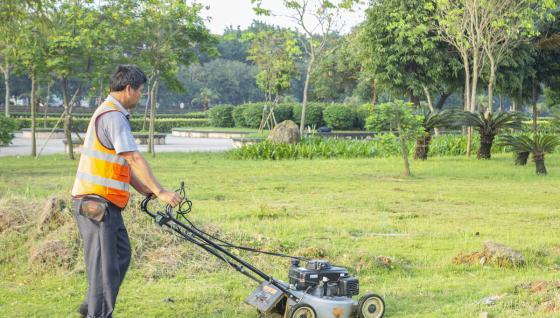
[{"x": 169, "y": 197}]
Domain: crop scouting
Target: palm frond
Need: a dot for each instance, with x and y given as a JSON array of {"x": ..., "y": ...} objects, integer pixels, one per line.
[
  {"x": 443, "y": 119},
  {"x": 536, "y": 143},
  {"x": 492, "y": 122}
]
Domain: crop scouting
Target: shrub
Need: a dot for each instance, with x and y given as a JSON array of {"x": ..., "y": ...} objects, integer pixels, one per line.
[
  {"x": 238, "y": 116},
  {"x": 220, "y": 116},
  {"x": 163, "y": 125},
  {"x": 7, "y": 127},
  {"x": 383, "y": 145},
  {"x": 283, "y": 112},
  {"x": 252, "y": 114},
  {"x": 338, "y": 116},
  {"x": 313, "y": 114},
  {"x": 362, "y": 113}
]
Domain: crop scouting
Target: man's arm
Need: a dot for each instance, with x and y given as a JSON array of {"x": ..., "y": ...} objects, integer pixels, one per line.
[
  {"x": 143, "y": 174},
  {"x": 138, "y": 185}
]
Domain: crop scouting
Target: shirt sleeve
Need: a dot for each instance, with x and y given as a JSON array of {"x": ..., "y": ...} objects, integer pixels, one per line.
[{"x": 113, "y": 130}]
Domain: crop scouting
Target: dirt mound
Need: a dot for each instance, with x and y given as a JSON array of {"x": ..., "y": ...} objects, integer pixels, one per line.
[
  {"x": 492, "y": 254},
  {"x": 51, "y": 254},
  {"x": 54, "y": 214}
]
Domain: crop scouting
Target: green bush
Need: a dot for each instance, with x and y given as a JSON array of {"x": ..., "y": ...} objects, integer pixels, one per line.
[
  {"x": 137, "y": 111},
  {"x": 163, "y": 125},
  {"x": 7, "y": 127},
  {"x": 313, "y": 114},
  {"x": 362, "y": 113},
  {"x": 220, "y": 116},
  {"x": 284, "y": 112},
  {"x": 238, "y": 116},
  {"x": 338, "y": 116},
  {"x": 252, "y": 114}
]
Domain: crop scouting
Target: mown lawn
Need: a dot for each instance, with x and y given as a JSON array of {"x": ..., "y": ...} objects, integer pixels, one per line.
[{"x": 352, "y": 211}]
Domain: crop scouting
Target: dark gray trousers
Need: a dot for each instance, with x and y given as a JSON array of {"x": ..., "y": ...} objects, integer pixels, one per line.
[{"x": 107, "y": 256}]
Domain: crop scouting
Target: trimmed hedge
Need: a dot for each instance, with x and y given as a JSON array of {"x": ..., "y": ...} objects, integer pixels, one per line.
[
  {"x": 338, "y": 116},
  {"x": 220, "y": 116},
  {"x": 137, "y": 113},
  {"x": 238, "y": 116},
  {"x": 252, "y": 114},
  {"x": 163, "y": 125},
  {"x": 313, "y": 114}
]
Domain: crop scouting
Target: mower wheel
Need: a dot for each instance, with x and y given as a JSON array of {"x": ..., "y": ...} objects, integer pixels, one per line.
[
  {"x": 302, "y": 311},
  {"x": 371, "y": 306}
]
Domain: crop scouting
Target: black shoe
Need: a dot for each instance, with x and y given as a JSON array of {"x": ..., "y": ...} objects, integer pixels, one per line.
[{"x": 83, "y": 309}]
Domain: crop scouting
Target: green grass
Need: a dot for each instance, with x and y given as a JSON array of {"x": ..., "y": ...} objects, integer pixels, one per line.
[{"x": 354, "y": 210}]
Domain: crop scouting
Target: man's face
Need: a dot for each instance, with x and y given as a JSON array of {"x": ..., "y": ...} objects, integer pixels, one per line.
[{"x": 133, "y": 96}]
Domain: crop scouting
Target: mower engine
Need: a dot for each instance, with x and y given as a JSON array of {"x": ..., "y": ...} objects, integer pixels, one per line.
[
  {"x": 320, "y": 279},
  {"x": 316, "y": 290}
]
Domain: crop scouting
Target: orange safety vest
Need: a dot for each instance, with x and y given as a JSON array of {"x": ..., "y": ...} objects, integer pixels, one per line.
[{"x": 101, "y": 170}]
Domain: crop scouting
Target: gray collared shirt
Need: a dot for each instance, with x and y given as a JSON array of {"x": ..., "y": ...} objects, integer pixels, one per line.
[{"x": 114, "y": 131}]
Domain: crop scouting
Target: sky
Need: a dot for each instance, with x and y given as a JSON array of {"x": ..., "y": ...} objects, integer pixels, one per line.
[{"x": 223, "y": 13}]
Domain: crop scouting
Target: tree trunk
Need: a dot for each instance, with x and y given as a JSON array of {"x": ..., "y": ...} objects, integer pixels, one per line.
[
  {"x": 491, "y": 84},
  {"x": 467, "y": 90},
  {"x": 442, "y": 99},
  {"x": 47, "y": 104},
  {"x": 404, "y": 149},
  {"x": 6, "y": 70},
  {"x": 540, "y": 168},
  {"x": 423, "y": 147},
  {"x": 305, "y": 90},
  {"x": 485, "y": 151},
  {"x": 535, "y": 110},
  {"x": 153, "y": 101},
  {"x": 67, "y": 118},
  {"x": 474, "y": 85},
  {"x": 33, "y": 114},
  {"x": 149, "y": 90},
  {"x": 466, "y": 98},
  {"x": 521, "y": 158},
  {"x": 469, "y": 141}
]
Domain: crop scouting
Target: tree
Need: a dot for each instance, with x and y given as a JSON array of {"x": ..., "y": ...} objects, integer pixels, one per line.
[
  {"x": 274, "y": 54},
  {"x": 32, "y": 47},
  {"x": 318, "y": 20},
  {"x": 489, "y": 125},
  {"x": 401, "y": 48},
  {"x": 205, "y": 97},
  {"x": 12, "y": 13},
  {"x": 510, "y": 23},
  {"x": 79, "y": 49},
  {"x": 538, "y": 145},
  {"x": 171, "y": 33},
  {"x": 399, "y": 116},
  {"x": 431, "y": 121}
]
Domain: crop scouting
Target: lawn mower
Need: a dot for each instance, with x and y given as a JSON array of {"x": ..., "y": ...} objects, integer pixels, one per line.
[{"x": 315, "y": 289}]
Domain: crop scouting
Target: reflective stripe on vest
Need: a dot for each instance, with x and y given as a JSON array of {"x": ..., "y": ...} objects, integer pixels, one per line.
[{"x": 101, "y": 170}]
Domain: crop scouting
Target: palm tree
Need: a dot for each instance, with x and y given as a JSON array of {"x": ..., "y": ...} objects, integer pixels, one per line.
[
  {"x": 205, "y": 97},
  {"x": 430, "y": 121},
  {"x": 521, "y": 154},
  {"x": 489, "y": 125},
  {"x": 538, "y": 145}
]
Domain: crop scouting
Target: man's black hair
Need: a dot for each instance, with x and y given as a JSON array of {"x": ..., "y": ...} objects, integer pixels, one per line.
[{"x": 124, "y": 75}]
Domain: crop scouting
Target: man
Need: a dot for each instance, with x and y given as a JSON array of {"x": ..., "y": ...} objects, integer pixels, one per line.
[{"x": 109, "y": 163}]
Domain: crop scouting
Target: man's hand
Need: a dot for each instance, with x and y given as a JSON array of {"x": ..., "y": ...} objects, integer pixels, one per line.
[{"x": 169, "y": 197}]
